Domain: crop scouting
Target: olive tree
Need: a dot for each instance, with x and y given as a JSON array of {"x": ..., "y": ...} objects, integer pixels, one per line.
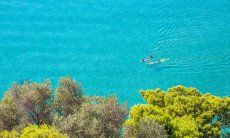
[
  {"x": 98, "y": 117},
  {"x": 10, "y": 116},
  {"x": 68, "y": 97},
  {"x": 33, "y": 100}
]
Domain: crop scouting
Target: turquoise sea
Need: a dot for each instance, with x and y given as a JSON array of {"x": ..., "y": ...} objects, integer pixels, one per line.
[{"x": 100, "y": 43}]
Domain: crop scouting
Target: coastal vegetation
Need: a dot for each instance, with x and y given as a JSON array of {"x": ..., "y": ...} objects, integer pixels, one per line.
[
  {"x": 184, "y": 112},
  {"x": 34, "y": 131},
  {"x": 34, "y": 109},
  {"x": 64, "y": 111}
]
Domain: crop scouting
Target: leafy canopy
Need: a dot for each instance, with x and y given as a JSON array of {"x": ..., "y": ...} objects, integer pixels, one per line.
[
  {"x": 98, "y": 117},
  {"x": 34, "y": 131},
  {"x": 185, "y": 112}
]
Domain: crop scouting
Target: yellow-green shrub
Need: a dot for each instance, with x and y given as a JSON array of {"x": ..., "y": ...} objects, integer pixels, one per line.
[
  {"x": 34, "y": 131},
  {"x": 9, "y": 134},
  {"x": 184, "y": 112},
  {"x": 43, "y": 131}
]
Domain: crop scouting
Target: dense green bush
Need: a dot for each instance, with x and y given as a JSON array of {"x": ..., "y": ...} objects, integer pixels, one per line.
[
  {"x": 184, "y": 112},
  {"x": 34, "y": 131},
  {"x": 9, "y": 134}
]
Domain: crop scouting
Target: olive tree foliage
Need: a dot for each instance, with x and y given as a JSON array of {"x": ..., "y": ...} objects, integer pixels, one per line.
[
  {"x": 145, "y": 128},
  {"x": 33, "y": 100},
  {"x": 64, "y": 107},
  {"x": 10, "y": 116},
  {"x": 36, "y": 103},
  {"x": 98, "y": 117},
  {"x": 139, "y": 114},
  {"x": 68, "y": 97},
  {"x": 184, "y": 112}
]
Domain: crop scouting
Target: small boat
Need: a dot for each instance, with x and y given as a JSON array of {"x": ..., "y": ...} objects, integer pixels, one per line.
[{"x": 161, "y": 60}]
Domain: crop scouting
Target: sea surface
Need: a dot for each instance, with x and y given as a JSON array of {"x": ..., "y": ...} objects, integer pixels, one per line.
[{"x": 100, "y": 44}]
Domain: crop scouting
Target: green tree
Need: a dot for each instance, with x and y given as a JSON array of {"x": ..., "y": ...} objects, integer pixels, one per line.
[
  {"x": 69, "y": 96},
  {"x": 98, "y": 117},
  {"x": 34, "y": 131},
  {"x": 185, "y": 112},
  {"x": 10, "y": 116},
  {"x": 33, "y": 100},
  {"x": 65, "y": 107},
  {"x": 43, "y": 131},
  {"x": 144, "y": 128},
  {"x": 185, "y": 127},
  {"x": 9, "y": 134}
]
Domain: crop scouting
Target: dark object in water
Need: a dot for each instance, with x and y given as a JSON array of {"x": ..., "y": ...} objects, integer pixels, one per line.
[{"x": 147, "y": 59}]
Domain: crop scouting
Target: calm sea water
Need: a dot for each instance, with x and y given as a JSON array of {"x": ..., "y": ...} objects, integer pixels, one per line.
[{"x": 100, "y": 43}]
